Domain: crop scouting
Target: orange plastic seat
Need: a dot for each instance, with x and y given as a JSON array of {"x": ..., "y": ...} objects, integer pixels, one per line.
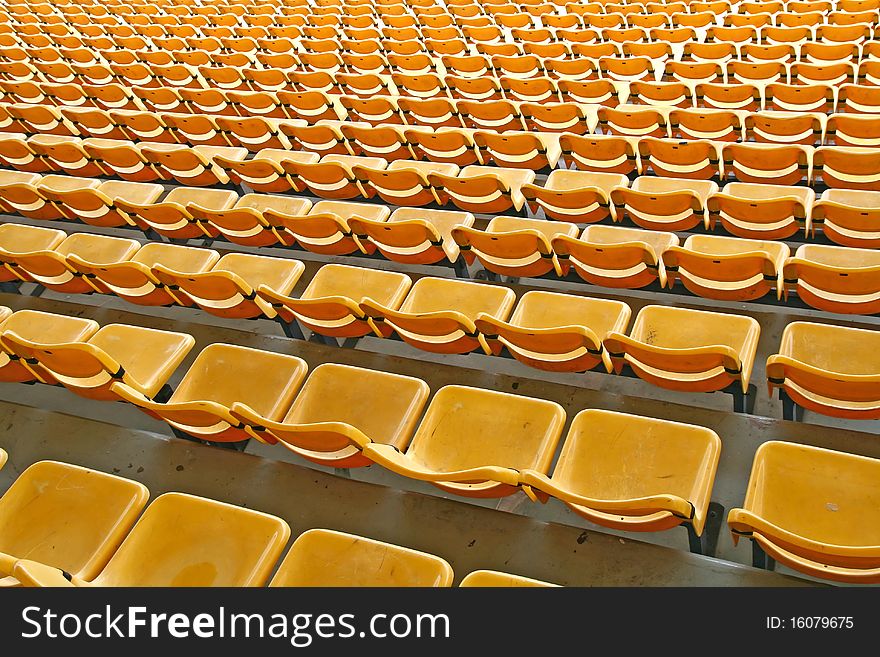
[
  {"x": 519, "y": 150},
  {"x": 513, "y": 246},
  {"x": 734, "y": 96},
  {"x": 848, "y": 167},
  {"x": 323, "y": 138},
  {"x": 849, "y": 217},
  {"x": 632, "y": 121},
  {"x": 404, "y": 182},
  {"x": 554, "y": 117},
  {"x": 756, "y": 211},
  {"x": 19, "y": 238},
  {"x": 191, "y": 166},
  {"x": 430, "y": 112},
  {"x": 96, "y": 205},
  {"x": 660, "y": 203},
  {"x": 438, "y": 314},
  {"x": 835, "y": 279},
  {"x": 714, "y": 124},
  {"x": 495, "y": 115},
  {"x": 659, "y": 94},
  {"x": 450, "y": 145},
  {"x": 785, "y": 128},
  {"x": 600, "y": 153},
  {"x": 170, "y": 216},
  {"x": 786, "y": 164},
  {"x": 375, "y": 110},
  {"x": 800, "y": 98},
  {"x": 245, "y": 223},
  {"x": 852, "y": 130},
  {"x": 386, "y": 141},
  {"x": 672, "y": 158},
  {"x": 689, "y": 350},
  {"x": 859, "y": 98},
  {"x": 490, "y": 190},
  {"x": 696, "y": 72},
  {"x": 727, "y": 268},
  {"x": 325, "y": 228},
  {"x": 265, "y": 171},
  {"x": 122, "y": 158},
  {"x": 575, "y": 196},
  {"x": 20, "y": 193}
]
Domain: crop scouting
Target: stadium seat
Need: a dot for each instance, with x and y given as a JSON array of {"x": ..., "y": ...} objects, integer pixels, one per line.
[
  {"x": 659, "y": 203},
  {"x": 404, "y": 182},
  {"x": 729, "y": 97},
  {"x": 325, "y": 228},
  {"x": 445, "y": 144},
  {"x": 634, "y": 473},
  {"x": 826, "y": 369},
  {"x": 785, "y": 128},
  {"x": 835, "y": 278},
  {"x": 490, "y": 190},
  {"x": 850, "y": 167},
  {"x": 170, "y": 216},
  {"x": 632, "y": 121},
  {"x": 849, "y": 217},
  {"x": 228, "y": 289},
  {"x": 265, "y": 171},
  {"x": 339, "y": 410},
  {"x": 186, "y": 541},
  {"x": 67, "y": 517},
  {"x": 756, "y": 211},
  {"x": 18, "y": 238},
  {"x": 811, "y": 509},
  {"x": 141, "y": 358},
  {"x": 220, "y": 376},
  {"x": 322, "y": 557},
  {"x": 330, "y": 303},
  {"x": 96, "y": 206},
  {"x": 852, "y": 130},
  {"x": 556, "y": 332},
  {"x": 672, "y": 158},
  {"x": 727, "y": 268},
  {"x": 245, "y": 223},
  {"x": 575, "y": 196},
  {"x": 786, "y": 164},
  {"x": 474, "y": 442},
  {"x": 600, "y": 153},
  {"x": 496, "y": 579},
  {"x": 799, "y": 98},
  {"x": 689, "y": 350},
  {"x": 518, "y": 150}
]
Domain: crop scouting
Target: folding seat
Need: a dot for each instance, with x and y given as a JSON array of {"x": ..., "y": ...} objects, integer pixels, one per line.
[
  {"x": 255, "y": 103},
  {"x": 849, "y": 217},
  {"x": 170, "y": 217},
  {"x": 736, "y": 35},
  {"x": 19, "y": 238},
  {"x": 855, "y": 33},
  {"x": 589, "y": 92},
  {"x": 808, "y": 19},
  {"x": 496, "y": 579},
  {"x": 135, "y": 281},
  {"x": 689, "y": 350},
  {"x": 786, "y": 164},
  {"x": 627, "y": 68},
  {"x": 329, "y": 304},
  {"x": 827, "y": 74},
  {"x": 311, "y": 106},
  {"x": 482, "y": 189},
  {"x": 15, "y": 153},
  {"x": 829, "y": 53},
  {"x": 323, "y": 138},
  {"x": 579, "y": 36},
  {"x": 520, "y": 66},
  {"x": 647, "y": 21},
  {"x": 757, "y": 211},
  {"x": 228, "y": 289},
  {"x": 727, "y": 268},
  {"x": 254, "y": 133},
  {"x": 480, "y": 89},
  {"x": 65, "y": 516},
  {"x": 65, "y": 95},
  {"x": 699, "y": 123},
  {"x": 602, "y": 153},
  {"x": 716, "y": 7},
  {"x": 729, "y": 96},
  {"x": 672, "y": 158},
  {"x": 615, "y": 257},
  {"x": 53, "y": 270},
  {"x": 657, "y": 51},
  {"x": 574, "y": 196},
  {"x": 187, "y": 540},
  {"x": 518, "y": 150},
  {"x": 785, "y": 128},
  {"x": 660, "y": 203},
  {"x": 632, "y": 121},
  {"x": 578, "y": 69},
  {"x": 800, "y": 98},
  {"x": 109, "y": 96},
  {"x": 333, "y": 176},
  {"x": 758, "y": 20},
  {"x": 787, "y": 515},
  {"x": 405, "y": 182},
  {"x": 834, "y": 278},
  {"x": 191, "y": 166},
  {"x": 20, "y": 71},
  {"x": 386, "y": 141},
  {"x": 322, "y": 557},
  {"x": 138, "y": 126},
  {"x": 673, "y": 35},
  {"x": 870, "y": 51},
  {"x": 451, "y": 145},
  {"x": 512, "y": 246},
  {"x": 40, "y": 119},
  {"x": 522, "y": 435},
  {"x": 706, "y": 52},
  {"x": 160, "y": 99},
  {"x": 141, "y": 358},
  {"x": 758, "y": 74},
  {"x": 795, "y": 36},
  {"x": 660, "y": 94},
  {"x": 23, "y": 92},
  {"x": 325, "y": 229},
  {"x": 66, "y": 155},
  {"x": 20, "y": 194},
  {"x": 848, "y": 167},
  {"x": 467, "y": 66},
  {"x": 245, "y": 223},
  {"x": 96, "y": 205},
  {"x": 826, "y": 369},
  {"x": 763, "y": 53},
  {"x": 555, "y": 117},
  {"x": 265, "y": 171},
  {"x": 858, "y": 98},
  {"x": 121, "y": 158}
]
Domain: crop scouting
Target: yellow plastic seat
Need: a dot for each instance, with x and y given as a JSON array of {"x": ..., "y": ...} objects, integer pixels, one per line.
[
  {"x": 672, "y": 158},
  {"x": 66, "y": 155},
  {"x": 556, "y": 332},
  {"x": 265, "y": 171},
  {"x": 334, "y": 177},
  {"x": 496, "y": 579},
  {"x": 519, "y": 150},
  {"x": 22, "y": 193},
  {"x": 325, "y": 229},
  {"x": 245, "y": 222},
  {"x": 220, "y": 376},
  {"x": 123, "y": 158},
  {"x": 386, "y": 141},
  {"x": 330, "y": 304},
  {"x": 600, "y": 153},
  {"x": 513, "y": 246},
  {"x": 575, "y": 196},
  {"x": 134, "y": 279},
  {"x": 339, "y": 410},
  {"x": 67, "y": 517},
  {"x": 849, "y": 217},
  {"x": 688, "y": 350},
  {"x": 727, "y": 268},
  {"x": 228, "y": 289},
  {"x": 184, "y": 540},
  {"x": 634, "y": 473},
  {"x": 322, "y": 557},
  {"x": 413, "y": 235},
  {"x": 660, "y": 203},
  {"x": 16, "y": 154},
  {"x": 835, "y": 278},
  {"x": 757, "y": 211},
  {"x": 848, "y": 167},
  {"x": 39, "y": 326},
  {"x": 96, "y": 206},
  {"x": 445, "y": 144},
  {"x": 194, "y": 130},
  {"x": 53, "y": 269},
  {"x": 617, "y": 257},
  {"x": 814, "y": 510},
  {"x": 475, "y": 442},
  {"x": 778, "y": 164},
  {"x": 405, "y": 182},
  {"x": 191, "y": 165},
  {"x": 18, "y": 238},
  {"x": 438, "y": 314},
  {"x": 143, "y": 359},
  {"x": 831, "y": 370},
  {"x": 170, "y": 216}
]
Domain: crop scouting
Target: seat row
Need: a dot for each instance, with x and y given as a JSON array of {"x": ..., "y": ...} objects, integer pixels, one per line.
[
  {"x": 549, "y": 331},
  {"x": 102, "y": 536}
]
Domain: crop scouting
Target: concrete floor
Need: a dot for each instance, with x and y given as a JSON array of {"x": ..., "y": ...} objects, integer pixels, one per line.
[{"x": 740, "y": 434}]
